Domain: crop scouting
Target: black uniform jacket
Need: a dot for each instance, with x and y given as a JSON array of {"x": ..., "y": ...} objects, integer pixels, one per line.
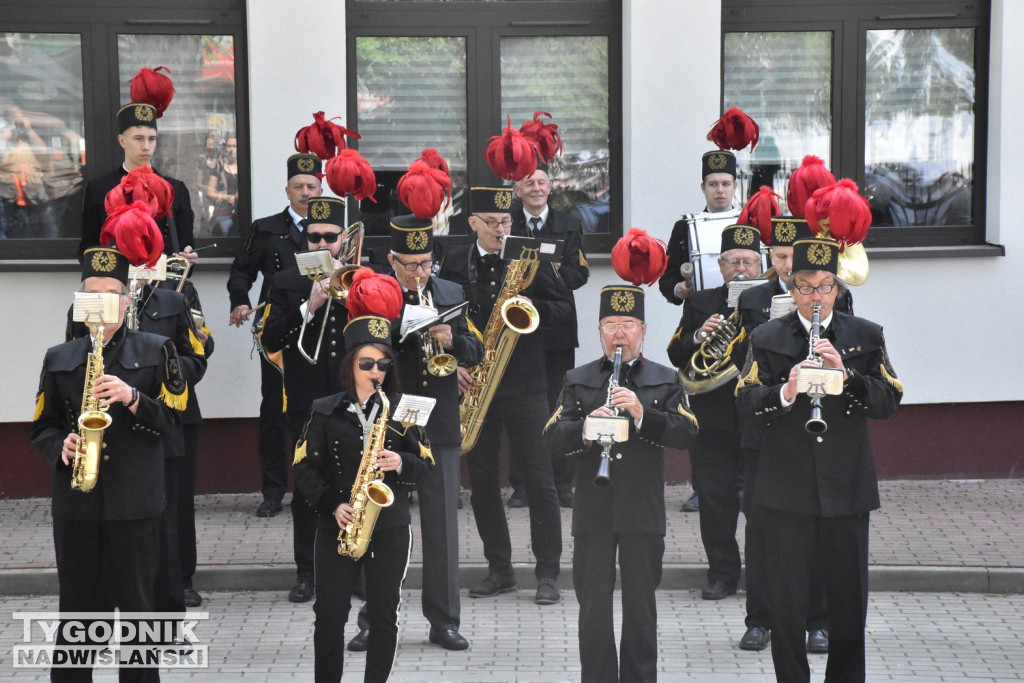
[
  {"x": 482, "y": 283},
  {"x": 716, "y": 410},
  {"x": 165, "y": 312},
  {"x": 573, "y": 271},
  {"x": 94, "y": 214},
  {"x": 443, "y": 427},
  {"x": 303, "y": 381},
  {"x": 635, "y": 501},
  {"x": 131, "y": 474},
  {"x": 330, "y": 451},
  {"x": 268, "y": 249},
  {"x": 830, "y": 474}
]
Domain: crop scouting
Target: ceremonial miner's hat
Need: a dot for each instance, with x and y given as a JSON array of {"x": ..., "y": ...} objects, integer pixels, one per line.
[
  {"x": 367, "y": 329},
  {"x": 374, "y": 300},
  {"x": 105, "y": 262},
  {"x": 490, "y": 199},
  {"x": 638, "y": 259},
  {"x": 718, "y": 161},
  {"x": 816, "y": 253},
  {"x": 788, "y": 229},
  {"x": 326, "y": 210},
  {"x": 136, "y": 114},
  {"x": 304, "y": 164},
  {"x": 741, "y": 237},
  {"x": 412, "y": 235},
  {"x": 621, "y": 300}
]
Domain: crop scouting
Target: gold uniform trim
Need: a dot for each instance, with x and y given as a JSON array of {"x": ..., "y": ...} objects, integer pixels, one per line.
[
  {"x": 472, "y": 328},
  {"x": 750, "y": 378},
  {"x": 40, "y": 404},
  {"x": 300, "y": 452},
  {"x": 175, "y": 401},
  {"x": 688, "y": 415},
  {"x": 197, "y": 346},
  {"x": 891, "y": 378},
  {"x": 553, "y": 419},
  {"x": 426, "y": 453}
]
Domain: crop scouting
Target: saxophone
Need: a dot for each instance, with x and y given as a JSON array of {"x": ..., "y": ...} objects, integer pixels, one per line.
[
  {"x": 369, "y": 493},
  {"x": 91, "y": 423},
  {"x": 511, "y": 316}
]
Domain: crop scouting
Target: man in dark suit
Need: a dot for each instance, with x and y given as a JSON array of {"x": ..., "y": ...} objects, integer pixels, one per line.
[
  {"x": 107, "y": 540},
  {"x": 627, "y": 517},
  {"x": 410, "y": 256},
  {"x": 269, "y": 248},
  {"x": 296, "y": 306},
  {"x": 816, "y": 490},
  {"x": 136, "y": 124},
  {"x": 715, "y": 454},
  {"x": 537, "y": 219},
  {"x": 519, "y": 403}
]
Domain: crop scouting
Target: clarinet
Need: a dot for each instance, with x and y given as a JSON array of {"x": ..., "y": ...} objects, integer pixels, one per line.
[
  {"x": 815, "y": 425},
  {"x": 604, "y": 475}
]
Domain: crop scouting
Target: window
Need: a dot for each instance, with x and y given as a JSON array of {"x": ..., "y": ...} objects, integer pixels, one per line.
[
  {"x": 890, "y": 95},
  {"x": 64, "y": 74},
  {"x": 432, "y": 74}
]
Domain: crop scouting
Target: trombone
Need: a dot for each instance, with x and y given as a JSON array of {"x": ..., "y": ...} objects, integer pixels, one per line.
[{"x": 439, "y": 362}]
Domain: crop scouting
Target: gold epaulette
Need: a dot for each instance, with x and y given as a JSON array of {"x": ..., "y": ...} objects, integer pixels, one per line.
[
  {"x": 300, "y": 452},
  {"x": 892, "y": 379},
  {"x": 554, "y": 418},
  {"x": 40, "y": 404},
  {"x": 473, "y": 329},
  {"x": 175, "y": 401},
  {"x": 688, "y": 415},
  {"x": 426, "y": 453},
  {"x": 750, "y": 378},
  {"x": 197, "y": 346}
]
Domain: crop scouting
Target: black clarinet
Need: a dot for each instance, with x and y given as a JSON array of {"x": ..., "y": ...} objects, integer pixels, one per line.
[
  {"x": 604, "y": 473},
  {"x": 815, "y": 425}
]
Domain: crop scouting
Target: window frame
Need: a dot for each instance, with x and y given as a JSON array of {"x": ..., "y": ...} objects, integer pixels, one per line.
[{"x": 849, "y": 23}]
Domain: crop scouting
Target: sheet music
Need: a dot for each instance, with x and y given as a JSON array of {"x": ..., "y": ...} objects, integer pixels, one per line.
[
  {"x": 418, "y": 319},
  {"x": 414, "y": 410}
]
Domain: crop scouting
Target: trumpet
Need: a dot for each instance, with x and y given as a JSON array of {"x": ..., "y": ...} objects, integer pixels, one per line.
[{"x": 439, "y": 362}]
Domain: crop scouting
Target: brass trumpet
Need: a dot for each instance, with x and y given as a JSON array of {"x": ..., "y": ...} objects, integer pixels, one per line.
[{"x": 440, "y": 363}]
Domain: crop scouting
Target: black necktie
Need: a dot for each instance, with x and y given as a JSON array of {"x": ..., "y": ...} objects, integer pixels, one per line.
[
  {"x": 534, "y": 225},
  {"x": 296, "y": 234}
]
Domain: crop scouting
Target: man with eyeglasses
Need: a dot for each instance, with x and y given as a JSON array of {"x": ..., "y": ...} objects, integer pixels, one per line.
[
  {"x": 715, "y": 456},
  {"x": 293, "y": 303},
  {"x": 627, "y": 517},
  {"x": 815, "y": 491},
  {"x": 411, "y": 246},
  {"x": 519, "y": 404}
]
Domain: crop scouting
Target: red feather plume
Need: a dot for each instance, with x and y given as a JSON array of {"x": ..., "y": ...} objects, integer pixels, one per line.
[
  {"x": 840, "y": 212},
  {"x": 811, "y": 176},
  {"x": 434, "y": 160},
  {"x": 639, "y": 258},
  {"x": 141, "y": 185},
  {"x": 133, "y": 231},
  {"x": 758, "y": 211},
  {"x": 423, "y": 189},
  {"x": 349, "y": 173},
  {"x": 152, "y": 88},
  {"x": 735, "y": 130},
  {"x": 323, "y": 137},
  {"x": 544, "y": 135},
  {"x": 373, "y": 294},
  {"x": 512, "y": 155}
]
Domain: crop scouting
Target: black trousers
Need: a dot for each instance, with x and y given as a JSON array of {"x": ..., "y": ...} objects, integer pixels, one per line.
[
  {"x": 102, "y": 565},
  {"x": 385, "y": 562},
  {"x": 274, "y": 457},
  {"x": 755, "y": 556},
  {"x": 593, "y": 576},
  {"x": 169, "y": 594},
  {"x": 523, "y": 418},
  {"x": 303, "y": 514},
  {"x": 839, "y": 545},
  {"x": 187, "y": 504},
  {"x": 717, "y": 461},
  {"x": 438, "y": 495}
]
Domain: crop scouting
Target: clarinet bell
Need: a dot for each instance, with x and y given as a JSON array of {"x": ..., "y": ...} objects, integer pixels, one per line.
[
  {"x": 603, "y": 479},
  {"x": 816, "y": 425}
]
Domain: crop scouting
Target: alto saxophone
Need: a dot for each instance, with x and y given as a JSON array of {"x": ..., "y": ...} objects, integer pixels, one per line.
[
  {"x": 511, "y": 316},
  {"x": 91, "y": 423},
  {"x": 369, "y": 493}
]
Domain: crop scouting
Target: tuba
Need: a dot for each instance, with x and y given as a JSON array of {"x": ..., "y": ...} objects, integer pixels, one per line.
[
  {"x": 92, "y": 421},
  {"x": 511, "y": 316},
  {"x": 369, "y": 493},
  {"x": 711, "y": 365}
]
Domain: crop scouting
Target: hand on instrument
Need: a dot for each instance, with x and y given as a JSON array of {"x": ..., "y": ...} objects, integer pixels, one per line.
[
  {"x": 683, "y": 290},
  {"x": 70, "y": 447},
  {"x": 443, "y": 334},
  {"x": 239, "y": 314},
  {"x": 344, "y": 514},
  {"x": 465, "y": 380},
  {"x": 829, "y": 356},
  {"x": 109, "y": 389},
  {"x": 388, "y": 461},
  {"x": 625, "y": 399},
  {"x": 189, "y": 254},
  {"x": 321, "y": 292},
  {"x": 709, "y": 326}
]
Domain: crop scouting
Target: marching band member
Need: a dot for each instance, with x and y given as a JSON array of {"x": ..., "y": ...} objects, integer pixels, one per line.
[{"x": 626, "y": 517}]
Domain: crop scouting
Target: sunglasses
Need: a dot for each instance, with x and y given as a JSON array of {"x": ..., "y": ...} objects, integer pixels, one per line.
[
  {"x": 384, "y": 364},
  {"x": 328, "y": 237}
]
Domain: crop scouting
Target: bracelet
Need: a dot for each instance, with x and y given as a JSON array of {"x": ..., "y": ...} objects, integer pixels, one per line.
[{"x": 135, "y": 399}]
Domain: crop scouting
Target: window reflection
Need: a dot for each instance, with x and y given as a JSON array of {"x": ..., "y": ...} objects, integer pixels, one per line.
[
  {"x": 197, "y": 134},
  {"x": 919, "y": 126},
  {"x": 42, "y": 148}
]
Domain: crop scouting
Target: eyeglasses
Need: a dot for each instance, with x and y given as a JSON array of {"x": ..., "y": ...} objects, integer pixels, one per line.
[
  {"x": 413, "y": 267},
  {"x": 384, "y": 364},
  {"x": 807, "y": 290},
  {"x": 328, "y": 237},
  {"x": 492, "y": 223},
  {"x": 745, "y": 262},
  {"x": 627, "y": 327}
]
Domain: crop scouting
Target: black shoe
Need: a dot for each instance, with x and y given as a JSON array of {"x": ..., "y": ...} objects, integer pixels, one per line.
[
  {"x": 518, "y": 499},
  {"x": 360, "y": 641},
  {"x": 692, "y": 504},
  {"x": 817, "y": 641},
  {"x": 547, "y": 593},
  {"x": 192, "y": 598},
  {"x": 716, "y": 590},
  {"x": 756, "y": 638},
  {"x": 268, "y": 508},
  {"x": 448, "y": 638},
  {"x": 302, "y": 592},
  {"x": 566, "y": 498},
  {"x": 492, "y": 585}
]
